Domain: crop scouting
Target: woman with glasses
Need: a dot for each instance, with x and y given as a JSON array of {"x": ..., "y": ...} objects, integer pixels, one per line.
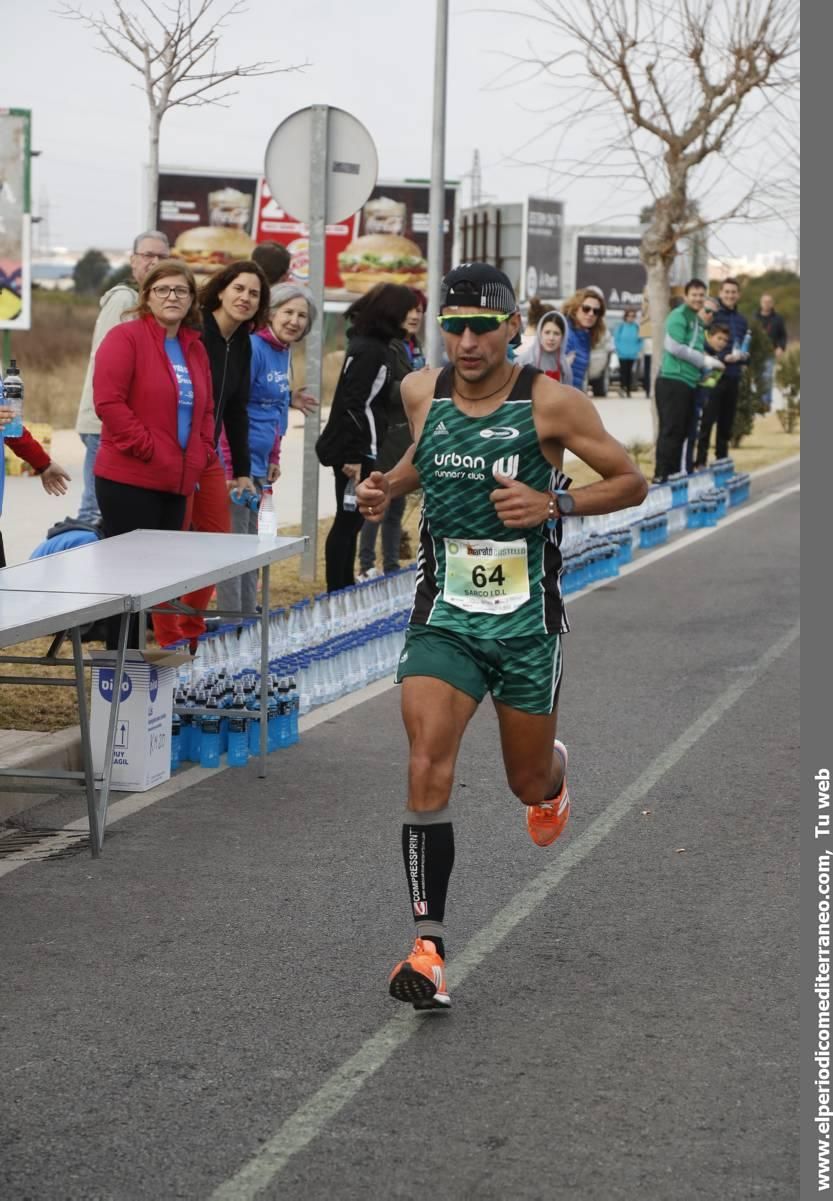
[
  {"x": 585, "y": 312},
  {"x": 152, "y": 393},
  {"x": 359, "y": 417},
  {"x": 233, "y": 302}
]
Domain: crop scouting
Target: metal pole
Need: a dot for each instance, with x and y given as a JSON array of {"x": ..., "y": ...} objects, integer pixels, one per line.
[
  {"x": 437, "y": 200},
  {"x": 315, "y": 338}
]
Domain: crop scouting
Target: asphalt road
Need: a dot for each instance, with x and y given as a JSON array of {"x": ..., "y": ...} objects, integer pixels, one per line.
[{"x": 624, "y": 1021}]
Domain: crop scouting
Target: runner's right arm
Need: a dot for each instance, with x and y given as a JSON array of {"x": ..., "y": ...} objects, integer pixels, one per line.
[{"x": 378, "y": 490}]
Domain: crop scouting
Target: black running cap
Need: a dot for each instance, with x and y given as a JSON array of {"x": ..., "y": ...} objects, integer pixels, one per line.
[{"x": 478, "y": 285}]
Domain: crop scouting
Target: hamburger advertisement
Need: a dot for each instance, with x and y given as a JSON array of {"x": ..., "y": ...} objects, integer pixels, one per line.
[
  {"x": 212, "y": 220},
  {"x": 382, "y": 259}
]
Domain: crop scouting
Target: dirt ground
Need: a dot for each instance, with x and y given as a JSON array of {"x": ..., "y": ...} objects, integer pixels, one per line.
[{"x": 44, "y": 708}]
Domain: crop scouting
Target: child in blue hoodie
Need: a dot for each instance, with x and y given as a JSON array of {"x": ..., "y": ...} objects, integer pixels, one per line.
[{"x": 291, "y": 314}]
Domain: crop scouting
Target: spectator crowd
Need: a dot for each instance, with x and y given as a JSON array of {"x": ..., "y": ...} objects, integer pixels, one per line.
[{"x": 187, "y": 393}]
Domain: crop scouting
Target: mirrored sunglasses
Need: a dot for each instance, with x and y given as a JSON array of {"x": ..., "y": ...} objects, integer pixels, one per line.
[{"x": 478, "y": 323}]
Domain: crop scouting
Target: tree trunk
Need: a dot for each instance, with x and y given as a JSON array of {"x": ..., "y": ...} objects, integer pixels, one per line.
[{"x": 153, "y": 169}]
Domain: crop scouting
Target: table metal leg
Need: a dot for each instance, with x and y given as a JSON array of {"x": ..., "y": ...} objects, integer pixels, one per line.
[
  {"x": 86, "y": 746},
  {"x": 264, "y": 666},
  {"x": 118, "y": 670}
]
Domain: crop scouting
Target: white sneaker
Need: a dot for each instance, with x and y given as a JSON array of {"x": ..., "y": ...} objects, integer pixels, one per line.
[{"x": 371, "y": 574}]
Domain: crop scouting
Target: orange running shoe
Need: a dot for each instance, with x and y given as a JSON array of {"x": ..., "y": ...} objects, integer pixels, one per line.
[
  {"x": 547, "y": 820},
  {"x": 420, "y": 979}
]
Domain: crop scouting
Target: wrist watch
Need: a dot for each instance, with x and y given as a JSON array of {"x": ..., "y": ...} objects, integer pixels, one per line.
[{"x": 561, "y": 504}]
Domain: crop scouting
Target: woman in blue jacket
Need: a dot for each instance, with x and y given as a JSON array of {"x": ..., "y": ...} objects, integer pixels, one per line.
[
  {"x": 628, "y": 345},
  {"x": 291, "y": 314}
]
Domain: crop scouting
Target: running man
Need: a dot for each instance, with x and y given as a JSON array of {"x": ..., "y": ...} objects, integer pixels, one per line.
[{"x": 489, "y": 441}]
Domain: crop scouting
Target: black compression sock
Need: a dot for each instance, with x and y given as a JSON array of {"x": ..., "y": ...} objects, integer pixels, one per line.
[{"x": 428, "y": 851}]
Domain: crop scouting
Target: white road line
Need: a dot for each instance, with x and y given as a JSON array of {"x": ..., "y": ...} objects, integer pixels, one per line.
[
  {"x": 119, "y": 810},
  {"x": 345, "y": 1082}
]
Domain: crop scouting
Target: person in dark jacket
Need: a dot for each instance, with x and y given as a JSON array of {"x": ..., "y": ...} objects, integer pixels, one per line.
[
  {"x": 407, "y": 357},
  {"x": 358, "y": 421},
  {"x": 723, "y": 402},
  {"x": 233, "y": 302},
  {"x": 773, "y": 326}
]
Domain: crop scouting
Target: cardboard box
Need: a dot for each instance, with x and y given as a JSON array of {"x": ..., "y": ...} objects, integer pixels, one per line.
[{"x": 142, "y": 750}]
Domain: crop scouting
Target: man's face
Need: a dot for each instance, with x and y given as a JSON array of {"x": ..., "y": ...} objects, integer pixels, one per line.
[
  {"x": 767, "y": 304},
  {"x": 708, "y": 310},
  {"x": 475, "y": 356},
  {"x": 146, "y": 256},
  {"x": 729, "y": 295},
  {"x": 694, "y": 298}
]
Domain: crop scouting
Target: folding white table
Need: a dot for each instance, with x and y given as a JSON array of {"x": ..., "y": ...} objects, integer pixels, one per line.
[{"x": 118, "y": 577}]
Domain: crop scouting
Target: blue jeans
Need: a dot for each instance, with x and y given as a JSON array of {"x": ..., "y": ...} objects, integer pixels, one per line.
[
  {"x": 769, "y": 376},
  {"x": 88, "y": 510}
]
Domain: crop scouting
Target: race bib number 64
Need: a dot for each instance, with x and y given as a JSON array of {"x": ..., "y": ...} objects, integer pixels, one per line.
[{"x": 482, "y": 576}]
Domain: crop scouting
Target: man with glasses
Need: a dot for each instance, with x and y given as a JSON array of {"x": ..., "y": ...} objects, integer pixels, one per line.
[
  {"x": 683, "y": 363},
  {"x": 148, "y": 249},
  {"x": 489, "y": 443}
]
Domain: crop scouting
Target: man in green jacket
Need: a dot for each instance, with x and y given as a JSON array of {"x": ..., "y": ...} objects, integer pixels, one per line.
[{"x": 683, "y": 363}]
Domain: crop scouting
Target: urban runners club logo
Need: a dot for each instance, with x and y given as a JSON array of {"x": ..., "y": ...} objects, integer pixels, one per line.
[{"x": 451, "y": 466}]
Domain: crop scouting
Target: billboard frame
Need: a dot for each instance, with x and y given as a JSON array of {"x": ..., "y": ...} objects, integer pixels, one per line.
[{"x": 23, "y": 321}]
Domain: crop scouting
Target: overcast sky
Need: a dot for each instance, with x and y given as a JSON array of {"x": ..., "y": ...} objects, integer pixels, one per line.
[{"x": 371, "y": 57}]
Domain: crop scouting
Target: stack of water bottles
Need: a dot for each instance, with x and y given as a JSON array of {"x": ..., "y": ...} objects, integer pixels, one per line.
[
  {"x": 216, "y": 715},
  {"x": 318, "y": 650}
]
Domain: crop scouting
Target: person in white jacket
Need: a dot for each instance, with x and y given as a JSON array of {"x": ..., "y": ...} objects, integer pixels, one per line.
[{"x": 148, "y": 249}]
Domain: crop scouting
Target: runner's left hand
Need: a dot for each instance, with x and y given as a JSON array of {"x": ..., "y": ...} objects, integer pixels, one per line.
[{"x": 517, "y": 505}]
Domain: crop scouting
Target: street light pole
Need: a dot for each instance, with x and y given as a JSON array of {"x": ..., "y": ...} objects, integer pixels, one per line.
[{"x": 436, "y": 209}]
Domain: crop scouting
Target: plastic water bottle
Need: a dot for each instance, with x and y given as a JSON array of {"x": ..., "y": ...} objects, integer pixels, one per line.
[
  {"x": 295, "y": 703},
  {"x": 254, "y": 725},
  {"x": 746, "y": 343},
  {"x": 13, "y": 399},
  {"x": 176, "y": 747},
  {"x": 238, "y": 743},
  {"x": 196, "y": 728},
  {"x": 210, "y": 740},
  {"x": 272, "y": 720},
  {"x": 350, "y": 502},
  {"x": 284, "y": 715},
  {"x": 249, "y": 499},
  {"x": 267, "y": 518}
]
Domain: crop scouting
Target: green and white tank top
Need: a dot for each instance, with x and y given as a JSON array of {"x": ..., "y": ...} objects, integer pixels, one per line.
[{"x": 475, "y": 576}]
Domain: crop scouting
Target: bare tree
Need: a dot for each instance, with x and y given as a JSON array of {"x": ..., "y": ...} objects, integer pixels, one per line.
[
  {"x": 174, "y": 49},
  {"x": 677, "y": 91}
]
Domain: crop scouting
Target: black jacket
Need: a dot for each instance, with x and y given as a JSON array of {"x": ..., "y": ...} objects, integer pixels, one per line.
[
  {"x": 398, "y": 438},
  {"x": 359, "y": 417},
  {"x": 231, "y": 363},
  {"x": 774, "y": 328}
]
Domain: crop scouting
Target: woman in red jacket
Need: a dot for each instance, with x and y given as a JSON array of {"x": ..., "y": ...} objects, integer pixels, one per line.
[{"x": 152, "y": 391}]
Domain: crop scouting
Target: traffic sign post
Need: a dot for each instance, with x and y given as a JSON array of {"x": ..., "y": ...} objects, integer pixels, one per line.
[{"x": 342, "y": 170}]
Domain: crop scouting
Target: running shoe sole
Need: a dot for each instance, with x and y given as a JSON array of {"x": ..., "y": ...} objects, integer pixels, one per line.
[{"x": 416, "y": 989}]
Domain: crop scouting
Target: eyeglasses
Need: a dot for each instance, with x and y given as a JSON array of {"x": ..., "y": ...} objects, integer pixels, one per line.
[
  {"x": 478, "y": 323},
  {"x": 162, "y": 292},
  {"x": 147, "y": 254},
  {"x": 588, "y": 308},
  {"x": 709, "y": 310}
]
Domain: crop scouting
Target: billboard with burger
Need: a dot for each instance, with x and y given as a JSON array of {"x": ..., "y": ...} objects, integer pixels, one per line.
[{"x": 211, "y": 220}]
